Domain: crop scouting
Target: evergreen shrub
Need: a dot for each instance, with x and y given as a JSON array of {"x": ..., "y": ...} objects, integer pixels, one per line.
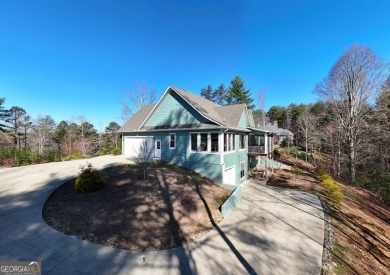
[{"x": 88, "y": 179}]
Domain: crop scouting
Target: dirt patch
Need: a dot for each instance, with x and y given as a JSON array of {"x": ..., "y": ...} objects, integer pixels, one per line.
[
  {"x": 299, "y": 175},
  {"x": 172, "y": 207},
  {"x": 361, "y": 222}
]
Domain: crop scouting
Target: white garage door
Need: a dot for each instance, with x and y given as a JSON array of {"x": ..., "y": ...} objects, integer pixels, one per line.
[
  {"x": 133, "y": 145},
  {"x": 229, "y": 176}
]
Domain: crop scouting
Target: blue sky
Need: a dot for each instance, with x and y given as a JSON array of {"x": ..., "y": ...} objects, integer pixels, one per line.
[{"x": 68, "y": 58}]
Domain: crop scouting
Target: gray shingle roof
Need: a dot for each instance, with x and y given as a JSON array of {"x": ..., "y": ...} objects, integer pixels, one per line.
[
  {"x": 228, "y": 116},
  {"x": 136, "y": 120},
  {"x": 205, "y": 106},
  {"x": 231, "y": 114},
  {"x": 279, "y": 131}
]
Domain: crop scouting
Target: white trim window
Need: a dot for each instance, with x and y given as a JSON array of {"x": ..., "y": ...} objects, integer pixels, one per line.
[
  {"x": 214, "y": 142},
  {"x": 204, "y": 142},
  {"x": 242, "y": 170},
  {"x": 229, "y": 142},
  {"x": 172, "y": 141},
  {"x": 242, "y": 142}
]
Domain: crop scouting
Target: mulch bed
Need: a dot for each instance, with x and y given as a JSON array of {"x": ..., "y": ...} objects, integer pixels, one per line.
[{"x": 172, "y": 207}]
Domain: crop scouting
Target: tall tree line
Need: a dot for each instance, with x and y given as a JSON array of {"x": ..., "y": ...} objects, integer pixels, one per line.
[
  {"x": 24, "y": 140},
  {"x": 350, "y": 123},
  {"x": 236, "y": 93}
]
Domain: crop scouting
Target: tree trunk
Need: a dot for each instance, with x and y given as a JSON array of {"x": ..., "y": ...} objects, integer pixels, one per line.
[
  {"x": 338, "y": 158},
  {"x": 306, "y": 144},
  {"x": 351, "y": 161}
]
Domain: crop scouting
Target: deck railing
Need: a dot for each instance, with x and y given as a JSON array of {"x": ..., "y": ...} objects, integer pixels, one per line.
[
  {"x": 259, "y": 150},
  {"x": 256, "y": 149}
]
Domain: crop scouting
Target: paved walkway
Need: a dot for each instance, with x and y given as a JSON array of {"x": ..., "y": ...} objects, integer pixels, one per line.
[{"x": 273, "y": 231}]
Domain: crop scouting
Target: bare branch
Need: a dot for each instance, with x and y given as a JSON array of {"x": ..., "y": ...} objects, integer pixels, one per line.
[
  {"x": 143, "y": 155},
  {"x": 141, "y": 94},
  {"x": 351, "y": 88},
  {"x": 260, "y": 98}
]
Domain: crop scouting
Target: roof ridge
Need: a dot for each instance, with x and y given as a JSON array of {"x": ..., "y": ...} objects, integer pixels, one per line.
[{"x": 195, "y": 95}]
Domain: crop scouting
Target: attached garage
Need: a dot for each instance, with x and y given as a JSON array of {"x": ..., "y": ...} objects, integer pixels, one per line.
[{"x": 132, "y": 146}]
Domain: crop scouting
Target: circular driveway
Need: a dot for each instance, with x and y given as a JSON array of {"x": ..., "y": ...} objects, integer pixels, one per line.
[{"x": 273, "y": 231}]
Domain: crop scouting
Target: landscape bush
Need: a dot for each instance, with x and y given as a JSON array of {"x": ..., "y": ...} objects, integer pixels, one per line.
[
  {"x": 88, "y": 179},
  {"x": 277, "y": 153},
  {"x": 116, "y": 151},
  {"x": 332, "y": 189},
  {"x": 75, "y": 155}
]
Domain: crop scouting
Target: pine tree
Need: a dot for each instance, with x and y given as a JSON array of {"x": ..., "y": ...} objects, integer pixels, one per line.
[
  {"x": 2, "y": 115},
  {"x": 237, "y": 94},
  {"x": 207, "y": 93},
  {"x": 14, "y": 117}
]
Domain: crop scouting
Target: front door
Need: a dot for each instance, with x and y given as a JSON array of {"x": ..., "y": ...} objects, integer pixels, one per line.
[{"x": 157, "y": 148}]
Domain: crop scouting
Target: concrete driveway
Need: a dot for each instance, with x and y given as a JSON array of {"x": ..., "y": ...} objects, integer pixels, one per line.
[{"x": 273, "y": 231}]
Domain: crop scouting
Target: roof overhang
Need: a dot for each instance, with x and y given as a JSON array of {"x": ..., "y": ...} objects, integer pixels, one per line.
[
  {"x": 171, "y": 88},
  {"x": 176, "y": 130},
  {"x": 257, "y": 131},
  {"x": 171, "y": 129}
]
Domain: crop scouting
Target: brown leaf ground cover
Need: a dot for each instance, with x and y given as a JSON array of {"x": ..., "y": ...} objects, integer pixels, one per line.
[
  {"x": 361, "y": 221},
  {"x": 172, "y": 207}
]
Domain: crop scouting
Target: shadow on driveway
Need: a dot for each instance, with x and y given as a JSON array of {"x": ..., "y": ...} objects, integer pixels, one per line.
[{"x": 269, "y": 233}]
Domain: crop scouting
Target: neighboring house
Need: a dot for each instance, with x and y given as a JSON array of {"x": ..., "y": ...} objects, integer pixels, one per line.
[
  {"x": 280, "y": 133},
  {"x": 190, "y": 131}
]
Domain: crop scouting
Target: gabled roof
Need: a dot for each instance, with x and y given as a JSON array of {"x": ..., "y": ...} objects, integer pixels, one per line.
[
  {"x": 279, "y": 131},
  {"x": 230, "y": 114},
  {"x": 223, "y": 116},
  {"x": 202, "y": 105},
  {"x": 137, "y": 119}
]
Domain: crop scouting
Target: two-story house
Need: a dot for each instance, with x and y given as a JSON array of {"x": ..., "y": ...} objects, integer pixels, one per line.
[{"x": 190, "y": 131}]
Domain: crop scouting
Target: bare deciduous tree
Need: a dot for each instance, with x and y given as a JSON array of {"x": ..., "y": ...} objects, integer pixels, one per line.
[
  {"x": 260, "y": 98},
  {"x": 144, "y": 155},
  {"x": 83, "y": 125},
  {"x": 141, "y": 94},
  {"x": 44, "y": 127},
  {"x": 307, "y": 125},
  {"x": 351, "y": 87}
]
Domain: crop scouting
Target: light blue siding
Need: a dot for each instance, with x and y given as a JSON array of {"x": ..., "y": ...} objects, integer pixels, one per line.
[
  {"x": 243, "y": 120},
  {"x": 232, "y": 202},
  {"x": 207, "y": 164},
  {"x": 174, "y": 110},
  {"x": 235, "y": 158}
]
